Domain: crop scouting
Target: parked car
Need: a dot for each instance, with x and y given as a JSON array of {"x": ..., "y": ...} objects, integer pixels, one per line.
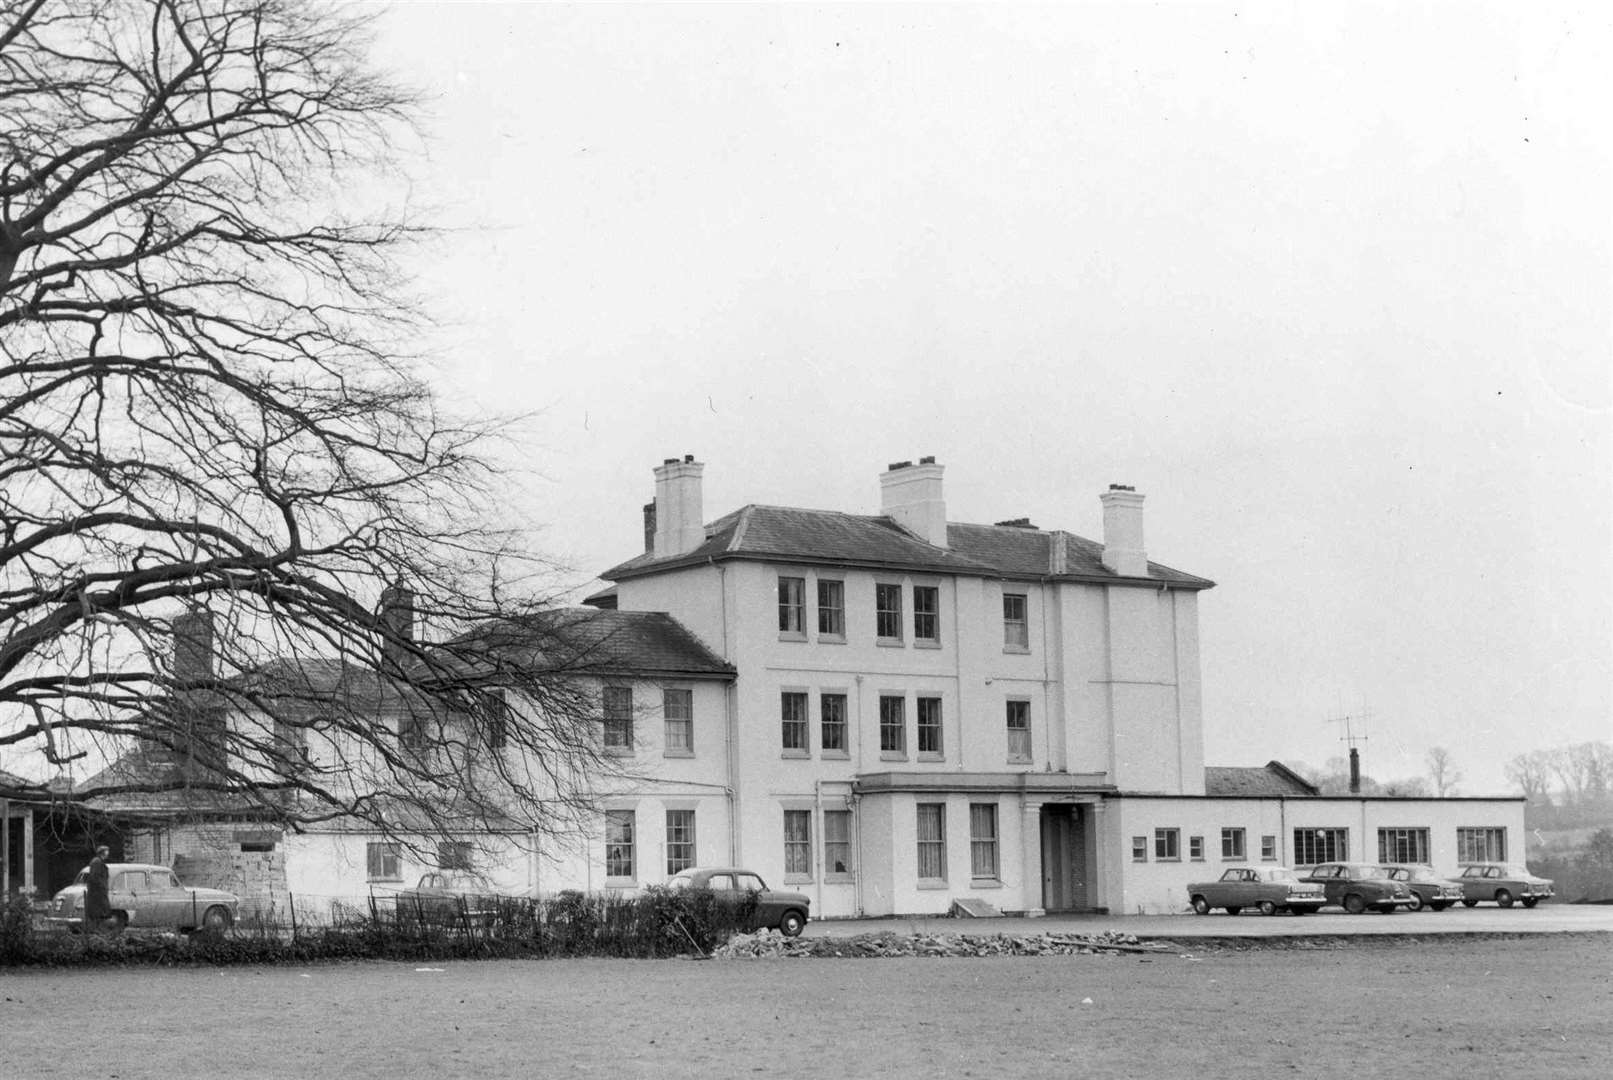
[
  {"x": 1267, "y": 888},
  {"x": 144, "y": 895},
  {"x": 445, "y": 899},
  {"x": 1358, "y": 886},
  {"x": 783, "y": 911},
  {"x": 1428, "y": 887},
  {"x": 1503, "y": 883}
]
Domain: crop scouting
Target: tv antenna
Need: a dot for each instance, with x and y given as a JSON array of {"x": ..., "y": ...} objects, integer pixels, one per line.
[{"x": 1348, "y": 727}]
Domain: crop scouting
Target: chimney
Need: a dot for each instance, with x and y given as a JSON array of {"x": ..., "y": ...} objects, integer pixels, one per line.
[
  {"x": 911, "y": 495},
  {"x": 1355, "y": 771},
  {"x": 649, "y": 527},
  {"x": 680, "y": 524},
  {"x": 197, "y": 726},
  {"x": 193, "y": 647},
  {"x": 1123, "y": 531},
  {"x": 396, "y": 618}
]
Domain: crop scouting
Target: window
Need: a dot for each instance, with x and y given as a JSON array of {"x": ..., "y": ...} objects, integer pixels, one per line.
[
  {"x": 793, "y": 719},
  {"x": 412, "y": 732},
  {"x": 983, "y": 841},
  {"x": 291, "y": 743},
  {"x": 618, "y": 719},
  {"x": 932, "y": 834},
  {"x": 1481, "y": 845},
  {"x": 836, "y": 843},
  {"x": 1019, "y": 731},
  {"x": 1016, "y": 627},
  {"x": 1167, "y": 844},
  {"x": 677, "y": 707},
  {"x": 832, "y": 732},
  {"x": 384, "y": 862},
  {"x": 1312, "y": 846},
  {"x": 892, "y": 725},
  {"x": 1268, "y": 849},
  {"x": 792, "y": 606},
  {"x": 619, "y": 844},
  {"x": 832, "y": 609},
  {"x": 929, "y": 727},
  {"x": 1195, "y": 848},
  {"x": 679, "y": 840},
  {"x": 1403, "y": 845},
  {"x": 927, "y": 614},
  {"x": 1139, "y": 849},
  {"x": 888, "y": 612},
  {"x": 1232, "y": 845},
  {"x": 797, "y": 845},
  {"x": 454, "y": 855},
  {"x": 495, "y": 715}
]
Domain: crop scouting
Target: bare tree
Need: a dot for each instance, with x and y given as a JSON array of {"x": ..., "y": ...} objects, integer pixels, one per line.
[
  {"x": 203, "y": 409},
  {"x": 1442, "y": 771},
  {"x": 1531, "y": 773}
]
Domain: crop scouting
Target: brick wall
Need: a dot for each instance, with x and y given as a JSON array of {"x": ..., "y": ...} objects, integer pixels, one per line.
[{"x": 210, "y": 854}]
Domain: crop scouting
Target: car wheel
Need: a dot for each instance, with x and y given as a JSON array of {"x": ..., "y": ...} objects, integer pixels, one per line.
[
  {"x": 792, "y": 924},
  {"x": 1201, "y": 906},
  {"x": 117, "y": 923},
  {"x": 1503, "y": 898},
  {"x": 1530, "y": 901},
  {"x": 216, "y": 920},
  {"x": 1267, "y": 907},
  {"x": 1416, "y": 902},
  {"x": 1470, "y": 903},
  {"x": 1233, "y": 910},
  {"x": 1354, "y": 904}
]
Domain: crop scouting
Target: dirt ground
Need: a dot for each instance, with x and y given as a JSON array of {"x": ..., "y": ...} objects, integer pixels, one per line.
[{"x": 1541, "y": 1007}]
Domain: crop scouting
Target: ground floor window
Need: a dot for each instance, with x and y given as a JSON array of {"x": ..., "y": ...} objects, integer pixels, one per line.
[
  {"x": 1268, "y": 849},
  {"x": 619, "y": 829},
  {"x": 1481, "y": 845},
  {"x": 1167, "y": 843},
  {"x": 932, "y": 841},
  {"x": 797, "y": 845},
  {"x": 983, "y": 840},
  {"x": 1232, "y": 844},
  {"x": 454, "y": 855},
  {"x": 1195, "y": 848},
  {"x": 1403, "y": 845},
  {"x": 836, "y": 842},
  {"x": 1139, "y": 849},
  {"x": 384, "y": 862},
  {"x": 1312, "y": 846},
  {"x": 679, "y": 840}
]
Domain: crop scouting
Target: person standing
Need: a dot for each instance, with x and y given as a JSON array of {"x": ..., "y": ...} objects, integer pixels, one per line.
[{"x": 97, "y": 892}]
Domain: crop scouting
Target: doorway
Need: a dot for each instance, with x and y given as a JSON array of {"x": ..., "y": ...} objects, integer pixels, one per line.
[{"x": 1064, "y": 858}]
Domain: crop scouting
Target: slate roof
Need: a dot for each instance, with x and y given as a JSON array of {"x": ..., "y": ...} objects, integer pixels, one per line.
[
  {"x": 588, "y": 640},
  {"x": 1274, "y": 778},
  {"x": 874, "y": 541}
]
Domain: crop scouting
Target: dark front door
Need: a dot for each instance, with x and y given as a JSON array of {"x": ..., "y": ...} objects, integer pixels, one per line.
[{"x": 1063, "y": 859}]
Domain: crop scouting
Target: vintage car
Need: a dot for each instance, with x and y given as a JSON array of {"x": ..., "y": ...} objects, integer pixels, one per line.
[
  {"x": 1503, "y": 883},
  {"x": 783, "y": 911},
  {"x": 445, "y": 899},
  {"x": 1429, "y": 889},
  {"x": 1358, "y": 886},
  {"x": 1268, "y": 889},
  {"x": 143, "y": 895}
]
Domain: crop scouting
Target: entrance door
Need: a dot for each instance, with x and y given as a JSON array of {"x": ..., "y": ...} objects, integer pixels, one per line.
[{"x": 1064, "y": 886}]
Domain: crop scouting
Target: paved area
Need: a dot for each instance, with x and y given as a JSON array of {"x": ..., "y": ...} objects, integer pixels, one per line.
[{"x": 1485, "y": 919}]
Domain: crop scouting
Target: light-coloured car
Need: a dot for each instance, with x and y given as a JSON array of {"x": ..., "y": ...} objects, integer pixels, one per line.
[
  {"x": 1268, "y": 889},
  {"x": 447, "y": 899},
  {"x": 783, "y": 911},
  {"x": 1505, "y": 883},
  {"x": 1429, "y": 888},
  {"x": 145, "y": 895}
]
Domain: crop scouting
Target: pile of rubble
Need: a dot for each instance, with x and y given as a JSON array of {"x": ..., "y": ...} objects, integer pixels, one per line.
[{"x": 770, "y": 943}]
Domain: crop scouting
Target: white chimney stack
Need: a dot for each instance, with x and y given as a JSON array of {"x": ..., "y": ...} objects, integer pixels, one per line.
[
  {"x": 1123, "y": 551},
  {"x": 911, "y": 494},
  {"x": 680, "y": 525}
]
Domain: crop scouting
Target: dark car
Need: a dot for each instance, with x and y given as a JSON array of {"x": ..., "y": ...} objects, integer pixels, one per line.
[
  {"x": 1268, "y": 889},
  {"x": 1429, "y": 889},
  {"x": 443, "y": 899},
  {"x": 1505, "y": 883},
  {"x": 148, "y": 896},
  {"x": 1358, "y": 886},
  {"x": 783, "y": 911}
]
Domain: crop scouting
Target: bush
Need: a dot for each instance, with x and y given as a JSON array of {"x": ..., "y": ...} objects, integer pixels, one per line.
[{"x": 16, "y": 928}]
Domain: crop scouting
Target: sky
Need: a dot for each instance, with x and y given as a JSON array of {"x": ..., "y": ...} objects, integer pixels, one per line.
[{"x": 1329, "y": 284}]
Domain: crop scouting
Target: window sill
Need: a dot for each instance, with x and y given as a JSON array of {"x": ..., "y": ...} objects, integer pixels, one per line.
[
  {"x": 385, "y": 880},
  {"x": 797, "y": 879},
  {"x": 1017, "y": 650},
  {"x": 831, "y": 639},
  {"x": 1021, "y": 761},
  {"x": 890, "y": 643},
  {"x": 835, "y": 755},
  {"x": 924, "y": 643},
  {"x": 931, "y": 883},
  {"x": 621, "y": 883},
  {"x": 794, "y": 754},
  {"x": 839, "y": 879},
  {"x": 1167, "y": 858},
  {"x": 618, "y": 751},
  {"x": 985, "y": 883},
  {"x": 925, "y": 756},
  {"x": 892, "y": 755},
  {"x": 792, "y": 635},
  {"x": 678, "y": 753}
]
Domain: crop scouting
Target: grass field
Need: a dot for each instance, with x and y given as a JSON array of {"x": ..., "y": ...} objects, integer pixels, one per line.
[{"x": 1538, "y": 1007}]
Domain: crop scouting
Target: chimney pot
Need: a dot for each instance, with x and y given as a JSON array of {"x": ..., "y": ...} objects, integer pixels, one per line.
[
  {"x": 688, "y": 459},
  {"x": 927, "y": 460},
  {"x": 669, "y": 461}
]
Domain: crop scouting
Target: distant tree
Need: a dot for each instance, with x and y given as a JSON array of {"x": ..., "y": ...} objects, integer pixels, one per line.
[
  {"x": 1593, "y": 765},
  {"x": 1531, "y": 774},
  {"x": 1442, "y": 771},
  {"x": 1411, "y": 787},
  {"x": 203, "y": 402}
]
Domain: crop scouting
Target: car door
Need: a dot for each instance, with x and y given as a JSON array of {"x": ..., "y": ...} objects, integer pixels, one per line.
[
  {"x": 768, "y": 907},
  {"x": 128, "y": 893},
  {"x": 170, "y": 902},
  {"x": 1332, "y": 885}
]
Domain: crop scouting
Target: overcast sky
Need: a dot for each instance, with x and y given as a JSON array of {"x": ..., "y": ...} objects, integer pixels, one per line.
[{"x": 1330, "y": 284}]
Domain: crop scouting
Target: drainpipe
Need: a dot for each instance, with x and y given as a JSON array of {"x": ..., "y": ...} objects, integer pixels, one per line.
[{"x": 731, "y": 721}]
